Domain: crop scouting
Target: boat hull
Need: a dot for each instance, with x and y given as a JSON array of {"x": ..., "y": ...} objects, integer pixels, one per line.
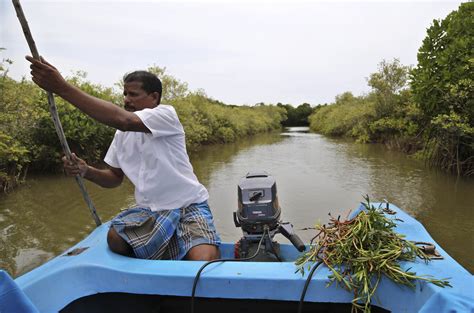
[{"x": 96, "y": 270}]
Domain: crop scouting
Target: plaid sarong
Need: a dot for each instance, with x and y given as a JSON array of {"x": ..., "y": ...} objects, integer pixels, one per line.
[{"x": 167, "y": 234}]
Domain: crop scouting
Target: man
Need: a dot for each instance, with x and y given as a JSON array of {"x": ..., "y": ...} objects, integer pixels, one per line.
[{"x": 172, "y": 219}]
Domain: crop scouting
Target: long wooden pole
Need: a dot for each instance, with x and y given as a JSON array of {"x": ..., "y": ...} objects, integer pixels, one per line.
[{"x": 53, "y": 110}]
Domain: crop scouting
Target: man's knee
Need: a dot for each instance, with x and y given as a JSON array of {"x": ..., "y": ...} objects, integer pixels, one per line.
[
  {"x": 203, "y": 252},
  {"x": 117, "y": 244}
]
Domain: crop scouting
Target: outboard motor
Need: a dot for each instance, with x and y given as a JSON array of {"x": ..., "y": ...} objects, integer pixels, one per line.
[{"x": 258, "y": 214}]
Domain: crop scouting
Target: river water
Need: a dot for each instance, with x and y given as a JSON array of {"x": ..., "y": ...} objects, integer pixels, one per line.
[{"x": 315, "y": 176}]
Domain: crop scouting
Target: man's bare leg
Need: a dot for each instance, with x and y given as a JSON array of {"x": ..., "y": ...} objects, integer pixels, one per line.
[
  {"x": 203, "y": 252},
  {"x": 117, "y": 244}
]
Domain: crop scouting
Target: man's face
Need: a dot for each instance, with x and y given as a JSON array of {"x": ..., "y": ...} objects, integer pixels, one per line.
[{"x": 136, "y": 99}]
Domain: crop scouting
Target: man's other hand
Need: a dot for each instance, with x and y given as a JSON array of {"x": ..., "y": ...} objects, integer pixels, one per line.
[{"x": 75, "y": 166}]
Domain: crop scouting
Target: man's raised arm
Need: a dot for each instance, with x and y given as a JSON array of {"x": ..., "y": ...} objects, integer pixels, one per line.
[{"x": 48, "y": 77}]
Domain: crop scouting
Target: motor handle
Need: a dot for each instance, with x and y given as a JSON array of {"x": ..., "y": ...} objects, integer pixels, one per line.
[{"x": 286, "y": 229}]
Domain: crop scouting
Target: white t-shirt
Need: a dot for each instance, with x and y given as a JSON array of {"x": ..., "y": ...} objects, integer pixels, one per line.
[{"x": 157, "y": 163}]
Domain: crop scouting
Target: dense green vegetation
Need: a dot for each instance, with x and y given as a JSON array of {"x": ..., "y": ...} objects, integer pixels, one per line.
[
  {"x": 443, "y": 88},
  {"x": 428, "y": 109},
  {"x": 296, "y": 116},
  {"x": 28, "y": 140},
  {"x": 387, "y": 114}
]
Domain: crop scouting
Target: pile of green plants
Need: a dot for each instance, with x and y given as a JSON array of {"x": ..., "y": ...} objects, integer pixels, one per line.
[{"x": 360, "y": 251}]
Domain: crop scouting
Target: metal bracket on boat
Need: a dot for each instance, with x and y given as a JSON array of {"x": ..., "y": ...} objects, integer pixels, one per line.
[
  {"x": 387, "y": 209},
  {"x": 429, "y": 249},
  {"x": 76, "y": 251}
]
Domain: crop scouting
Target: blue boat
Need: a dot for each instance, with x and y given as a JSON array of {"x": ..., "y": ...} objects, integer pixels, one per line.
[{"x": 90, "y": 278}]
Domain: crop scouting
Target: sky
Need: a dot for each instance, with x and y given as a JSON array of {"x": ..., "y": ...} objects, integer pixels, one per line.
[{"x": 238, "y": 52}]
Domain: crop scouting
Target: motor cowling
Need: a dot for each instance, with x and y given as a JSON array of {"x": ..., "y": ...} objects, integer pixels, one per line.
[
  {"x": 258, "y": 214},
  {"x": 257, "y": 203}
]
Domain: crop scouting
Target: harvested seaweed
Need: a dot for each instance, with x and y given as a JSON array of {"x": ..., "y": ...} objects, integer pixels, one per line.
[{"x": 359, "y": 251}]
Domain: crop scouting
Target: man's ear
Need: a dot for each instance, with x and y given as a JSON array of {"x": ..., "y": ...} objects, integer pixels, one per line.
[{"x": 156, "y": 96}]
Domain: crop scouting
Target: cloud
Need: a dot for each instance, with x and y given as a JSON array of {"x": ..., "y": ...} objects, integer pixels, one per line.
[{"x": 241, "y": 53}]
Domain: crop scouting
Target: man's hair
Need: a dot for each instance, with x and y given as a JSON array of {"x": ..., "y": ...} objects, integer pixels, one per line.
[{"x": 150, "y": 82}]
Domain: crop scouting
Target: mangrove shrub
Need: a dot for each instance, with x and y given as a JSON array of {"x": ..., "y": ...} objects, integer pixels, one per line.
[{"x": 443, "y": 89}]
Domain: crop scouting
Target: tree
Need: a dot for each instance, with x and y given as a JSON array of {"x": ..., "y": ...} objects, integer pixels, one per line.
[
  {"x": 296, "y": 116},
  {"x": 303, "y": 111},
  {"x": 387, "y": 84},
  {"x": 443, "y": 88},
  {"x": 173, "y": 88},
  {"x": 443, "y": 79}
]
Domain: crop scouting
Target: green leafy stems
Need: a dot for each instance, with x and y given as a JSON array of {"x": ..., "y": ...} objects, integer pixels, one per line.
[{"x": 359, "y": 251}]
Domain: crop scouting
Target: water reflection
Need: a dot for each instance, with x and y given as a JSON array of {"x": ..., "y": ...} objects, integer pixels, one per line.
[
  {"x": 315, "y": 175},
  {"x": 295, "y": 131}
]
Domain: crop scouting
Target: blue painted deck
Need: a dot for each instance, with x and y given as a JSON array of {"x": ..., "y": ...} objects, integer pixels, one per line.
[{"x": 64, "y": 279}]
